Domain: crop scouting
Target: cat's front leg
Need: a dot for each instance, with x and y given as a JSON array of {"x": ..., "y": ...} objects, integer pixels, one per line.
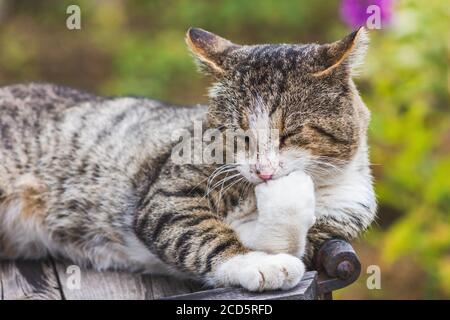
[
  {"x": 192, "y": 240},
  {"x": 286, "y": 211},
  {"x": 177, "y": 225}
]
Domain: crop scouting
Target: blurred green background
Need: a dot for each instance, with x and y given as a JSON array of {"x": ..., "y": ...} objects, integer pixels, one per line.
[{"x": 137, "y": 47}]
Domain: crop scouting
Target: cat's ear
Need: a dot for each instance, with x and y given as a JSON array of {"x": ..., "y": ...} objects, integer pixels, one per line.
[
  {"x": 210, "y": 51},
  {"x": 348, "y": 52}
]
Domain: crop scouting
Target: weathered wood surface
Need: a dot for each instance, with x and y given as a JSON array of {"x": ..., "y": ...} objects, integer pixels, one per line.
[
  {"x": 110, "y": 285},
  {"x": 51, "y": 280},
  {"x": 305, "y": 290},
  {"x": 28, "y": 280},
  {"x": 336, "y": 262}
]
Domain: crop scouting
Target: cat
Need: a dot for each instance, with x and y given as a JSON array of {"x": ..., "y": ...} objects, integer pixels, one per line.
[{"x": 92, "y": 179}]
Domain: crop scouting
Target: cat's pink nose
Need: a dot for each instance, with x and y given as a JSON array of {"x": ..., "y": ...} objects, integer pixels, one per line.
[{"x": 265, "y": 176}]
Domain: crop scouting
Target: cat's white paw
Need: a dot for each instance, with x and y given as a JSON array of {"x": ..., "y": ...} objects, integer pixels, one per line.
[
  {"x": 259, "y": 271},
  {"x": 291, "y": 195}
]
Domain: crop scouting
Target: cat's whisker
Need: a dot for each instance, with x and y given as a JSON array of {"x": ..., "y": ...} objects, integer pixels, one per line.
[
  {"x": 224, "y": 169},
  {"x": 245, "y": 188},
  {"x": 219, "y": 169},
  {"x": 232, "y": 184},
  {"x": 221, "y": 188},
  {"x": 222, "y": 191},
  {"x": 221, "y": 182},
  {"x": 219, "y": 172}
]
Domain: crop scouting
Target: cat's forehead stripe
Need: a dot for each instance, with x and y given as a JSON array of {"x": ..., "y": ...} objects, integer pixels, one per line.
[{"x": 258, "y": 117}]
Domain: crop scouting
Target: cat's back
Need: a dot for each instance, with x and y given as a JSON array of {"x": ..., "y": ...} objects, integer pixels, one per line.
[
  {"x": 56, "y": 131},
  {"x": 37, "y": 110},
  {"x": 33, "y": 105},
  {"x": 27, "y": 108},
  {"x": 28, "y": 99}
]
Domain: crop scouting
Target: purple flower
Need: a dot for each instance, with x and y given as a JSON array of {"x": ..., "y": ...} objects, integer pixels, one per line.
[{"x": 354, "y": 12}]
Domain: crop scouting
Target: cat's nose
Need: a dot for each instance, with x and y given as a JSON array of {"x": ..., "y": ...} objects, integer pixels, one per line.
[{"x": 264, "y": 175}]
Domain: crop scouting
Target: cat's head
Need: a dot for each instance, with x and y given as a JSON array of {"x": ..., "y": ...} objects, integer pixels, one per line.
[{"x": 303, "y": 92}]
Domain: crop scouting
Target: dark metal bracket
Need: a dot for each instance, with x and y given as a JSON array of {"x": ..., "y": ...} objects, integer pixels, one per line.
[{"x": 338, "y": 266}]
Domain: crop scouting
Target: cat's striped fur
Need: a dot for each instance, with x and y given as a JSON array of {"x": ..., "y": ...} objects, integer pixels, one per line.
[{"x": 92, "y": 179}]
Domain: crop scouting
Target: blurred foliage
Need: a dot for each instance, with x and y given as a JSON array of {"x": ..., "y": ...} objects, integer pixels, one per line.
[
  {"x": 136, "y": 47},
  {"x": 407, "y": 89}
]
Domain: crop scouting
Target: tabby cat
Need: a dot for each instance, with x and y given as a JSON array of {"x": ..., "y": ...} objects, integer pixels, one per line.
[{"x": 93, "y": 179}]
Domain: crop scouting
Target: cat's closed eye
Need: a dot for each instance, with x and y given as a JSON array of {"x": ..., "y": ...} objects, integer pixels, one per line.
[
  {"x": 293, "y": 138},
  {"x": 328, "y": 134}
]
